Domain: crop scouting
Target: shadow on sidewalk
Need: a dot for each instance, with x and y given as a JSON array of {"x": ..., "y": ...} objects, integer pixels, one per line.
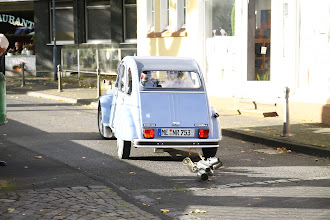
[{"x": 311, "y": 138}]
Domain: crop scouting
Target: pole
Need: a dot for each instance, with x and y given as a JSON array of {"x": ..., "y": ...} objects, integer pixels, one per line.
[
  {"x": 59, "y": 78},
  {"x": 23, "y": 74},
  {"x": 98, "y": 83},
  {"x": 286, "y": 124},
  {"x": 54, "y": 38},
  {"x": 98, "y": 71}
]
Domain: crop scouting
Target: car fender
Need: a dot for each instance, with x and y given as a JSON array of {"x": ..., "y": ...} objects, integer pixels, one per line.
[
  {"x": 105, "y": 102},
  {"x": 216, "y": 128}
]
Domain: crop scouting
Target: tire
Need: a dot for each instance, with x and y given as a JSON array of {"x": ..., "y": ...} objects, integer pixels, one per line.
[
  {"x": 209, "y": 152},
  {"x": 123, "y": 148},
  {"x": 104, "y": 131}
]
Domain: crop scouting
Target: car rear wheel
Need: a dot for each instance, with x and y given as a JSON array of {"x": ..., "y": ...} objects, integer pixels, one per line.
[
  {"x": 104, "y": 131},
  {"x": 123, "y": 148},
  {"x": 209, "y": 152}
]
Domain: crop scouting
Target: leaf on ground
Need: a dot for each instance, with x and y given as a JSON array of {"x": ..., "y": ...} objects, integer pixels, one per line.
[
  {"x": 283, "y": 150},
  {"x": 132, "y": 173},
  {"x": 38, "y": 157},
  {"x": 245, "y": 159},
  {"x": 10, "y": 210},
  {"x": 198, "y": 211},
  {"x": 145, "y": 204},
  {"x": 165, "y": 211}
]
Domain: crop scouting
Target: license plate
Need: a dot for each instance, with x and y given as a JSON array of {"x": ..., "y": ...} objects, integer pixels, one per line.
[{"x": 176, "y": 132}]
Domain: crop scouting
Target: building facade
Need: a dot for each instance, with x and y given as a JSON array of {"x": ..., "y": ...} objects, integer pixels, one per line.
[
  {"x": 77, "y": 22},
  {"x": 248, "y": 49}
]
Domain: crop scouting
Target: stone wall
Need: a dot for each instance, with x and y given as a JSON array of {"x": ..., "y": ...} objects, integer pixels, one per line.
[{"x": 29, "y": 60}]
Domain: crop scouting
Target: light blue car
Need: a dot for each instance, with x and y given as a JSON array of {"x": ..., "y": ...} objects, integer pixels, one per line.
[{"x": 159, "y": 102}]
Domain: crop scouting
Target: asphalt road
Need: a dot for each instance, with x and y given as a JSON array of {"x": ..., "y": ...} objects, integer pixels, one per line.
[{"x": 255, "y": 182}]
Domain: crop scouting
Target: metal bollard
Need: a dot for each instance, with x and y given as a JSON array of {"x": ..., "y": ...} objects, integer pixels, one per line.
[
  {"x": 59, "y": 79},
  {"x": 286, "y": 124},
  {"x": 23, "y": 75},
  {"x": 3, "y": 106},
  {"x": 98, "y": 83}
]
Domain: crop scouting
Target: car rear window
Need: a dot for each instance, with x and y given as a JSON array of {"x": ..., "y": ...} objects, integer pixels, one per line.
[{"x": 170, "y": 79}]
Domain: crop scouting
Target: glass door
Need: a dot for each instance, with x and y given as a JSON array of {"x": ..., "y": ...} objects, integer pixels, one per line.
[{"x": 259, "y": 43}]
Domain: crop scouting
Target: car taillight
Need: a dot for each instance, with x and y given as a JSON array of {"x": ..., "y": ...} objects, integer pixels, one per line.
[
  {"x": 148, "y": 133},
  {"x": 203, "y": 133}
]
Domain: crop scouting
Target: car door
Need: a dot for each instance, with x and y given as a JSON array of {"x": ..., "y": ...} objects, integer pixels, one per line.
[{"x": 118, "y": 96}]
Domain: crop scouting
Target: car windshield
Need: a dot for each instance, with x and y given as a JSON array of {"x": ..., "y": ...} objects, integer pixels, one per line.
[{"x": 170, "y": 79}]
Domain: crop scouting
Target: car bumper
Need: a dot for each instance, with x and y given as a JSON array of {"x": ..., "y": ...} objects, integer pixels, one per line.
[{"x": 176, "y": 143}]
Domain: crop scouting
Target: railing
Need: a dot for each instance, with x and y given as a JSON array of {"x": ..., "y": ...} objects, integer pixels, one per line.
[
  {"x": 93, "y": 58},
  {"x": 89, "y": 58}
]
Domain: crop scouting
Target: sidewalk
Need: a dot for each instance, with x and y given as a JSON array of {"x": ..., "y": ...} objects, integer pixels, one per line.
[
  {"x": 306, "y": 137},
  {"x": 38, "y": 187}
]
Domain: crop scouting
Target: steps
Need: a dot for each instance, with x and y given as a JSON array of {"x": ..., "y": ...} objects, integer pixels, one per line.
[{"x": 256, "y": 107}]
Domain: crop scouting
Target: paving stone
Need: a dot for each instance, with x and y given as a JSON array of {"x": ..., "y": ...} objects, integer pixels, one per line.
[
  {"x": 79, "y": 188},
  {"x": 97, "y": 187},
  {"x": 70, "y": 203}
]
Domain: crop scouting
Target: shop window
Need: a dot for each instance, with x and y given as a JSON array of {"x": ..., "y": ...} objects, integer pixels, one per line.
[
  {"x": 64, "y": 21},
  {"x": 130, "y": 20},
  {"x": 98, "y": 22},
  {"x": 223, "y": 17},
  {"x": 259, "y": 28}
]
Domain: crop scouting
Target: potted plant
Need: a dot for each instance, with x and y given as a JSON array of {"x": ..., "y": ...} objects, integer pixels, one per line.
[
  {"x": 18, "y": 67},
  {"x": 29, "y": 49},
  {"x": 10, "y": 52}
]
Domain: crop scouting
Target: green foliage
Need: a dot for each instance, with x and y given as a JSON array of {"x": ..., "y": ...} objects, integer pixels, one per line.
[
  {"x": 263, "y": 76},
  {"x": 233, "y": 20},
  {"x": 28, "y": 46}
]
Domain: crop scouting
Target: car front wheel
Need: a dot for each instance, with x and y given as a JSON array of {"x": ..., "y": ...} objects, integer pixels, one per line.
[
  {"x": 123, "y": 148},
  {"x": 104, "y": 131}
]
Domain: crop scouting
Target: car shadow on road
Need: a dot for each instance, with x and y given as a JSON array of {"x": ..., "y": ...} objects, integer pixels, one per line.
[{"x": 132, "y": 183}]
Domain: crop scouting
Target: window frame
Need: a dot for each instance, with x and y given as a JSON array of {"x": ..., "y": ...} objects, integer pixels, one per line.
[
  {"x": 181, "y": 14},
  {"x": 128, "y": 40},
  {"x": 51, "y": 8},
  {"x": 150, "y": 4},
  {"x": 86, "y": 22},
  {"x": 165, "y": 10}
]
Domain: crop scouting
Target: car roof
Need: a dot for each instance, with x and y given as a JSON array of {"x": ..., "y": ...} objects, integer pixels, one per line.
[{"x": 165, "y": 63}]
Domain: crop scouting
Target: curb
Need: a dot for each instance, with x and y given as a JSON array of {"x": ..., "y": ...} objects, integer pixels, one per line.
[
  {"x": 302, "y": 148},
  {"x": 47, "y": 96},
  {"x": 61, "y": 98}
]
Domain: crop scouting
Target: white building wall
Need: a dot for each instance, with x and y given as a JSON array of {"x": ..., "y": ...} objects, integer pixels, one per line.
[
  {"x": 299, "y": 54},
  {"x": 314, "y": 52}
]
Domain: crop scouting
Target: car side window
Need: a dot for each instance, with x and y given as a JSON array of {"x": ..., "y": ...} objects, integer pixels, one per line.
[
  {"x": 121, "y": 78},
  {"x": 129, "y": 83}
]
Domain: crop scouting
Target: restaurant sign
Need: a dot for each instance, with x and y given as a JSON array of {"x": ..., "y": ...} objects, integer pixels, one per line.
[{"x": 16, "y": 20}]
